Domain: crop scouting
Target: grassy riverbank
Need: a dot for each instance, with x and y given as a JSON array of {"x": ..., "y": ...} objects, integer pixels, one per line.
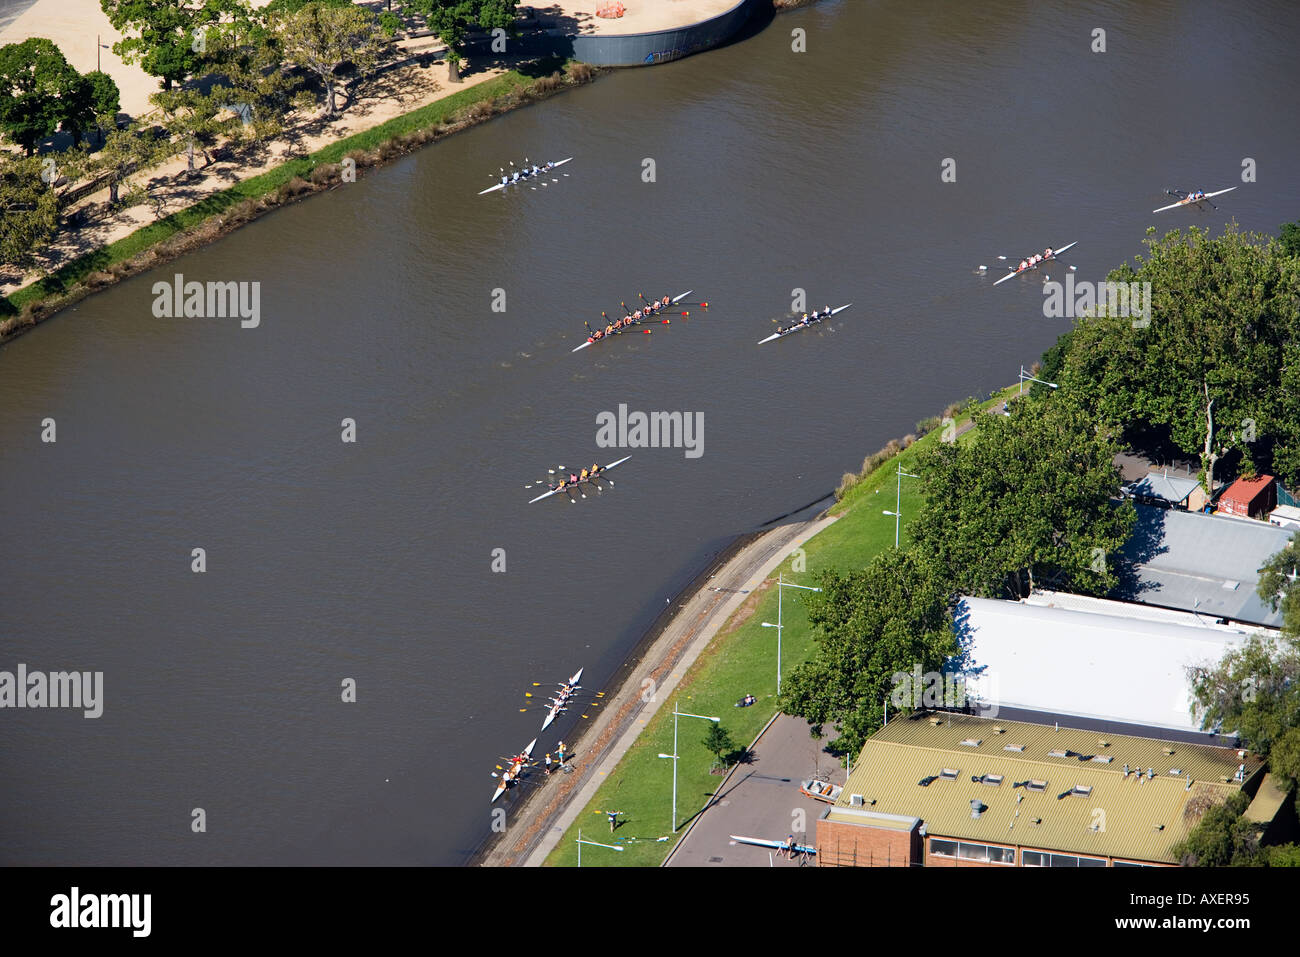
[
  {"x": 230, "y": 208},
  {"x": 740, "y": 660}
]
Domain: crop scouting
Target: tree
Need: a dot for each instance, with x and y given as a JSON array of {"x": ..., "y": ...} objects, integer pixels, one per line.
[
  {"x": 869, "y": 625},
  {"x": 1289, "y": 239},
  {"x": 123, "y": 153},
  {"x": 1026, "y": 503},
  {"x": 1222, "y": 837},
  {"x": 38, "y": 88},
  {"x": 105, "y": 100},
  {"x": 718, "y": 740},
  {"x": 451, "y": 21},
  {"x": 1254, "y": 690},
  {"x": 1278, "y": 586},
  {"x": 322, "y": 39},
  {"x": 171, "y": 35},
  {"x": 1215, "y": 367},
  {"x": 29, "y": 209},
  {"x": 192, "y": 119}
]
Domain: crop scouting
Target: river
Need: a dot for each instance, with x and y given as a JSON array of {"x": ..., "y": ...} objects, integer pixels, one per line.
[{"x": 372, "y": 561}]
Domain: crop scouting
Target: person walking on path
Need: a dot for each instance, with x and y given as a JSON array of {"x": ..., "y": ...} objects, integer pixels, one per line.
[{"x": 561, "y": 749}]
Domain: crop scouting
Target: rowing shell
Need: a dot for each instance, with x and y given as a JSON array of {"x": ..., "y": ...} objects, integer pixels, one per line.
[
  {"x": 597, "y": 475},
  {"x": 674, "y": 301},
  {"x": 778, "y": 335},
  {"x": 1193, "y": 202},
  {"x": 775, "y": 845},
  {"x": 524, "y": 179},
  {"x": 560, "y": 700},
  {"x": 516, "y": 768},
  {"x": 1055, "y": 253}
]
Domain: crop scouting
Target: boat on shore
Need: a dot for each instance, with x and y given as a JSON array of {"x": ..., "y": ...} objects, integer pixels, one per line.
[
  {"x": 561, "y": 699},
  {"x": 798, "y": 326},
  {"x": 822, "y": 790},
  {"x": 1015, "y": 271},
  {"x": 518, "y": 764}
]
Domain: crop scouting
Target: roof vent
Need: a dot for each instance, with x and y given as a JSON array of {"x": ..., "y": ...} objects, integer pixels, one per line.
[
  {"x": 949, "y": 774},
  {"x": 998, "y": 730},
  {"x": 855, "y": 800},
  {"x": 1175, "y": 771},
  {"x": 1036, "y": 785},
  {"x": 1151, "y": 773},
  {"x": 1057, "y": 753},
  {"x": 972, "y": 743},
  {"x": 1014, "y": 747},
  {"x": 1231, "y": 586},
  {"x": 1160, "y": 827},
  {"x": 1081, "y": 790},
  {"x": 1168, "y": 750},
  {"x": 1102, "y": 758},
  {"x": 1037, "y": 820},
  {"x": 936, "y": 722},
  {"x": 977, "y": 807},
  {"x": 1104, "y": 743}
]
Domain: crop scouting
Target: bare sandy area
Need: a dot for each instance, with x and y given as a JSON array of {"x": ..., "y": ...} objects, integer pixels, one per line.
[
  {"x": 640, "y": 16},
  {"x": 72, "y": 25}
]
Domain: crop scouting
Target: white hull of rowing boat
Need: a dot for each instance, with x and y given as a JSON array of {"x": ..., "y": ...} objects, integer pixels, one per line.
[
  {"x": 1193, "y": 202},
  {"x": 782, "y": 335},
  {"x": 600, "y": 473},
  {"x": 526, "y": 179},
  {"x": 505, "y": 782},
  {"x": 775, "y": 845},
  {"x": 675, "y": 300},
  {"x": 1021, "y": 272},
  {"x": 560, "y": 702}
]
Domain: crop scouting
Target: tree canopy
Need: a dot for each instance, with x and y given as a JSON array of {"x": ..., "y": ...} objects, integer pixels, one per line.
[
  {"x": 1027, "y": 502},
  {"x": 324, "y": 38},
  {"x": 168, "y": 38},
  {"x": 29, "y": 209},
  {"x": 869, "y": 625},
  {"x": 39, "y": 90},
  {"x": 451, "y": 20}
]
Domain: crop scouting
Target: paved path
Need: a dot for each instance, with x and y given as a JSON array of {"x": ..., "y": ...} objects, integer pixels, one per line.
[
  {"x": 762, "y": 799},
  {"x": 536, "y": 827}
]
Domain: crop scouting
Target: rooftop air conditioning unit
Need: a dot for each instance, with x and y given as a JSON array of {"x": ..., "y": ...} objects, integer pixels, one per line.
[{"x": 855, "y": 800}]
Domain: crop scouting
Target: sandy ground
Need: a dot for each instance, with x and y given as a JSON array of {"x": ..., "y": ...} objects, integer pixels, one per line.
[
  {"x": 640, "y": 16},
  {"x": 73, "y": 25}
]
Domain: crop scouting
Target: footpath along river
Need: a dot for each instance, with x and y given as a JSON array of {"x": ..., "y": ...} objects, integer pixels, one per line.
[{"x": 372, "y": 561}]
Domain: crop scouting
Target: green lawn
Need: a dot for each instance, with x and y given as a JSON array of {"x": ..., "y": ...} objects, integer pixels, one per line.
[{"x": 741, "y": 659}]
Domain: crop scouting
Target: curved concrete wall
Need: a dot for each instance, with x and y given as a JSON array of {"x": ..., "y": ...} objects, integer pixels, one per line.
[{"x": 640, "y": 49}]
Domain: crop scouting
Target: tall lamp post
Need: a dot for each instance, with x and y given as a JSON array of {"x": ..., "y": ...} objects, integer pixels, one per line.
[
  {"x": 674, "y": 756},
  {"x": 1025, "y": 375},
  {"x": 898, "y": 502},
  {"x": 782, "y": 584},
  {"x": 612, "y": 847}
]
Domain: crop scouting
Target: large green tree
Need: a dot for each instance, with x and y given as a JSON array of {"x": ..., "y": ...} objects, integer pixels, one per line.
[
  {"x": 1025, "y": 503},
  {"x": 868, "y": 626},
  {"x": 1254, "y": 690},
  {"x": 123, "y": 153},
  {"x": 169, "y": 38},
  {"x": 39, "y": 90},
  {"x": 1217, "y": 367},
  {"x": 323, "y": 39},
  {"x": 29, "y": 209},
  {"x": 452, "y": 21}
]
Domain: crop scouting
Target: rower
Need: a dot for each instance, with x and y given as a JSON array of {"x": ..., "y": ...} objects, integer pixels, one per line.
[
  {"x": 665, "y": 300},
  {"x": 583, "y": 475},
  {"x": 1047, "y": 253},
  {"x": 826, "y": 311},
  {"x": 596, "y": 467},
  {"x": 1024, "y": 264},
  {"x": 609, "y": 329}
]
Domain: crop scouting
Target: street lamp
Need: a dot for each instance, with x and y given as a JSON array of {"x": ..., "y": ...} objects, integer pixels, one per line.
[
  {"x": 1025, "y": 375},
  {"x": 781, "y": 584},
  {"x": 612, "y": 847},
  {"x": 898, "y": 502},
  {"x": 674, "y": 756}
]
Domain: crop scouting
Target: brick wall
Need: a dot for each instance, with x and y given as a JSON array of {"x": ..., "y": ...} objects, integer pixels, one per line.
[{"x": 855, "y": 845}]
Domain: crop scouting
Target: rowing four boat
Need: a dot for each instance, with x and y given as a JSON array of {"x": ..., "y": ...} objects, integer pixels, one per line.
[
  {"x": 569, "y": 485},
  {"x": 1055, "y": 253},
  {"x": 517, "y": 765},
  {"x": 561, "y": 699},
  {"x": 1189, "y": 201},
  {"x": 634, "y": 322},
  {"x": 525, "y": 177},
  {"x": 795, "y": 328}
]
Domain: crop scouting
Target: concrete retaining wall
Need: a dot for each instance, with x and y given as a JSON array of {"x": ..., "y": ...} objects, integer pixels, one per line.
[{"x": 643, "y": 49}]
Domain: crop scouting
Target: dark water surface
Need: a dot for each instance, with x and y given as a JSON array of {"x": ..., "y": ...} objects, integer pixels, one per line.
[{"x": 371, "y": 561}]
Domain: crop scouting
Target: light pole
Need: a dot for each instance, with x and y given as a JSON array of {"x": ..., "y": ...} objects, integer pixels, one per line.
[
  {"x": 1025, "y": 375},
  {"x": 612, "y": 847},
  {"x": 781, "y": 584},
  {"x": 681, "y": 714},
  {"x": 898, "y": 502}
]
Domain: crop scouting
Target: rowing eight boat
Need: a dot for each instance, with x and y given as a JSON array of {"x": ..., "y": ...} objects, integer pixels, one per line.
[
  {"x": 1055, "y": 253},
  {"x": 575, "y": 484},
  {"x": 562, "y": 698},
  {"x": 524, "y": 179},
  {"x": 1188, "y": 201},
  {"x": 673, "y": 301},
  {"x": 780, "y": 333}
]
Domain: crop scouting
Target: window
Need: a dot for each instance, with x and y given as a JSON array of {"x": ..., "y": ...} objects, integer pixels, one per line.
[
  {"x": 949, "y": 774},
  {"x": 972, "y": 743},
  {"x": 1035, "y": 785},
  {"x": 943, "y": 848},
  {"x": 1101, "y": 758},
  {"x": 1044, "y": 859},
  {"x": 969, "y": 851},
  {"x": 1014, "y": 747},
  {"x": 1081, "y": 790},
  {"x": 1058, "y": 754},
  {"x": 993, "y": 780}
]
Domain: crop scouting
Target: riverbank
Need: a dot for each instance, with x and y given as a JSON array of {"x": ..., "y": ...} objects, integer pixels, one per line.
[{"x": 215, "y": 212}]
